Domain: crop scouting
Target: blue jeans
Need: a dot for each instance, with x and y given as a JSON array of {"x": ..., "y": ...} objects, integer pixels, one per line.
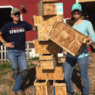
[
  {"x": 83, "y": 67},
  {"x": 17, "y": 59}
]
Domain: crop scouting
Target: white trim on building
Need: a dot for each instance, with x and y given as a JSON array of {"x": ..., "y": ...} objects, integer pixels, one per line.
[{"x": 11, "y": 8}]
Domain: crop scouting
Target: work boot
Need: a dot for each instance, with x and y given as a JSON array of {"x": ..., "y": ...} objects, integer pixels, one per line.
[{"x": 21, "y": 93}]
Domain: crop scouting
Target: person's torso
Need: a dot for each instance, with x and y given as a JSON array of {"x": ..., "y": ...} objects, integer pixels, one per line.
[{"x": 16, "y": 34}]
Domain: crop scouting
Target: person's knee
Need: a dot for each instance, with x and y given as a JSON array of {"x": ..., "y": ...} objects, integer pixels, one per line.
[
  {"x": 67, "y": 77},
  {"x": 24, "y": 74},
  {"x": 15, "y": 72}
]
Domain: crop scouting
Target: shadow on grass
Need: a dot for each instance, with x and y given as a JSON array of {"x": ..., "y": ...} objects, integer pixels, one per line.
[{"x": 31, "y": 77}]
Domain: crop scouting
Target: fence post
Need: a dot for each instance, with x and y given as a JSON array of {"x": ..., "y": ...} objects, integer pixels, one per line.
[{"x": 1, "y": 53}]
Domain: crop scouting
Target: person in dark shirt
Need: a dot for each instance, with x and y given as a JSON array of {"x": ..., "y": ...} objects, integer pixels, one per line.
[{"x": 16, "y": 47}]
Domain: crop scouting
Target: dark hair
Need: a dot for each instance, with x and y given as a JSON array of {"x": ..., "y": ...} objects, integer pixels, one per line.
[{"x": 72, "y": 21}]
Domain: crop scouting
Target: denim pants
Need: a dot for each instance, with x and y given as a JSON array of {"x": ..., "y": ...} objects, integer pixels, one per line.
[
  {"x": 17, "y": 59},
  {"x": 83, "y": 67}
]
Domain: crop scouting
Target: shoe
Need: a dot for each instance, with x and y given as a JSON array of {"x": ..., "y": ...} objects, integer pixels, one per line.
[
  {"x": 70, "y": 93},
  {"x": 21, "y": 93}
]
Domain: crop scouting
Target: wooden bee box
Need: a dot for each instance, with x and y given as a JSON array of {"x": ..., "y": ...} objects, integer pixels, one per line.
[
  {"x": 49, "y": 0},
  {"x": 85, "y": 1},
  {"x": 41, "y": 30},
  {"x": 48, "y": 57},
  {"x": 41, "y": 87},
  {"x": 45, "y": 9},
  {"x": 48, "y": 62},
  {"x": 59, "y": 88},
  {"x": 68, "y": 38},
  {"x": 46, "y": 47},
  {"x": 56, "y": 74},
  {"x": 46, "y": 20}
]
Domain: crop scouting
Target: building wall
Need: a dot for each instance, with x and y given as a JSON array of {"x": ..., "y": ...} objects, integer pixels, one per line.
[{"x": 31, "y": 9}]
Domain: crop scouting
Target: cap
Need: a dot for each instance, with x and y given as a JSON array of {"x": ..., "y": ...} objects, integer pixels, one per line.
[
  {"x": 14, "y": 10},
  {"x": 76, "y": 7}
]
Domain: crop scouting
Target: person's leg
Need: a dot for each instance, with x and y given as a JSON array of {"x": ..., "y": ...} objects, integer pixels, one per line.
[
  {"x": 68, "y": 70},
  {"x": 83, "y": 64},
  {"x": 12, "y": 57},
  {"x": 23, "y": 70}
]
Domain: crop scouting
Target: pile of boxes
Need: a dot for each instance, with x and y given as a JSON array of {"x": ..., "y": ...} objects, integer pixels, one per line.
[
  {"x": 53, "y": 35},
  {"x": 49, "y": 11}
]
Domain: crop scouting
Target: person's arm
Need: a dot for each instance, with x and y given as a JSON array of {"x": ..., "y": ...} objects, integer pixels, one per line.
[
  {"x": 10, "y": 44},
  {"x": 30, "y": 27},
  {"x": 91, "y": 33},
  {"x": 34, "y": 28}
]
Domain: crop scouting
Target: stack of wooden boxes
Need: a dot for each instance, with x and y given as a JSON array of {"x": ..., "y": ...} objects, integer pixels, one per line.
[{"x": 49, "y": 11}]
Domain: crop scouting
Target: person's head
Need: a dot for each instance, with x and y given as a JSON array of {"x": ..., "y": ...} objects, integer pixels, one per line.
[
  {"x": 15, "y": 14},
  {"x": 76, "y": 11}
]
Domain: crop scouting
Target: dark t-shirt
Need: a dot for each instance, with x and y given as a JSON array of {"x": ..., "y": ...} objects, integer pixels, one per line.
[{"x": 16, "y": 33}]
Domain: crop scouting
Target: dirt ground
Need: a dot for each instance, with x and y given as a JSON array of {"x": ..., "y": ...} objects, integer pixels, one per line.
[{"x": 8, "y": 81}]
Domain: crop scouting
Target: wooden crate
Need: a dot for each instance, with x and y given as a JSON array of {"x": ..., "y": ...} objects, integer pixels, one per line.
[
  {"x": 59, "y": 88},
  {"x": 48, "y": 57},
  {"x": 49, "y": 0},
  {"x": 46, "y": 47},
  {"x": 68, "y": 38},
  {"x": 85, "y": 1},
  {"x": 41, "y": 87},
  {"x": 45, "y": 9},
  {"x": 46, "y": 20},
  {"x": 48, "y": 62},
  {"x": 41, "y": 30},
  {"x": 56, "y": 74}
]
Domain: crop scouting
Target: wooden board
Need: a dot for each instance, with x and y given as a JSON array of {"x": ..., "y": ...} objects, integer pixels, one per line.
[
  {"x": 68, "y": 38},
  {"x": 48, "y": 62},
  {"x": 46, "y": 20},
  {"x": 59, "y": 88},
  {"x": 46, "y": 9},
  {"x": 56, "y": 74},
  {"x": 85, "y": 1},
  {"x": 41, "y": 30},
  {"x": 49, "y": 0},
  {"x": 41, "y": 87},
  {"x": 46, "y": 47}
]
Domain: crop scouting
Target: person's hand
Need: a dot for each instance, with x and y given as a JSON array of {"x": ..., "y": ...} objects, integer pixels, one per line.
[
  {"x": 89, "y": 42},
  {"x": 34, "y": 28},
  {"x": 10, "y": 45}
]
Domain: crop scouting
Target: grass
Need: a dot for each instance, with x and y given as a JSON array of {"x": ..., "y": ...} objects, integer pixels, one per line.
[
  {"x": 34, "y": 58},
  {"x": 77, "y": 94},
  {"x": 4, "y": 66},
  {"x": 50, "y": 92},
  {"x": 31, "y": 64},
  {"x": 3, "y": 93},
  {"x": 10, "y": 84},
  {"x": 1, "y": 80},
  {"x": 76, "y": 67},
  {"x": 4, "y": 73}
]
